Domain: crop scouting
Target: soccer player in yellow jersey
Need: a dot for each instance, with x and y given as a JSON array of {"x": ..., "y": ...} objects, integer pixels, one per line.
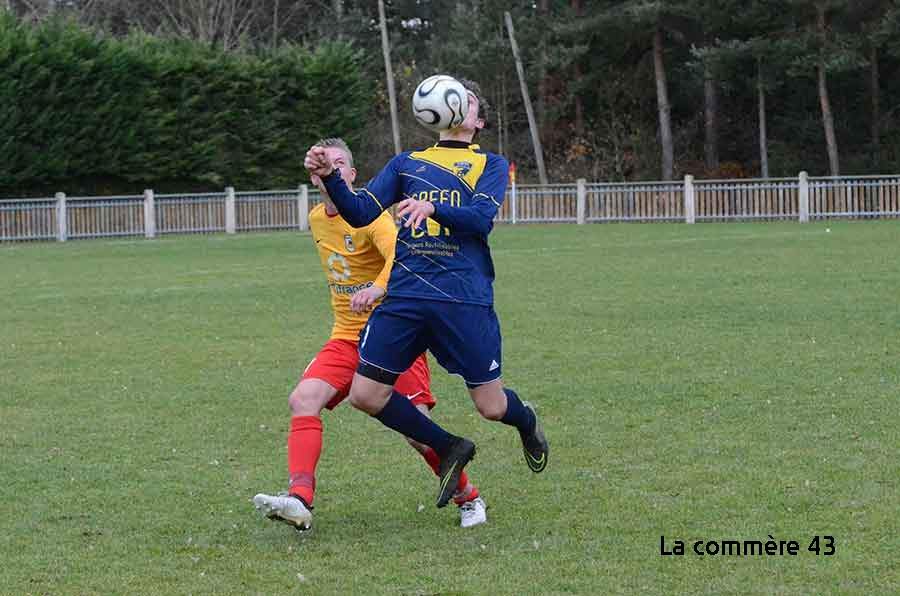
[{"x": 357, "y": 263}]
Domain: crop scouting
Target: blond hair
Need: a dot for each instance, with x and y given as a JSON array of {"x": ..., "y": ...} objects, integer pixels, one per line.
[{"x": 340, "y": 144}]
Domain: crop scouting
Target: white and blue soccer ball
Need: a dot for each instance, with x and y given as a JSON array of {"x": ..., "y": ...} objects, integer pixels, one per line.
[{"x": 440, "y": 103}]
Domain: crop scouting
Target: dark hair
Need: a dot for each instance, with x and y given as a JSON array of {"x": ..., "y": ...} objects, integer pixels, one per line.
[{"x": 484, "y": 108}]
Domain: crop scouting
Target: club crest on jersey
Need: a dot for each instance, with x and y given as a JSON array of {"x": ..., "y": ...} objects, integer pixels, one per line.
[
  {"x": 348, "y": 243},
  {"x": 462, "y": 168}
]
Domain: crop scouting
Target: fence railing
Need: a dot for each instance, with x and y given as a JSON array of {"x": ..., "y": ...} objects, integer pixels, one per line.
[{"x": 801, "y": 198}]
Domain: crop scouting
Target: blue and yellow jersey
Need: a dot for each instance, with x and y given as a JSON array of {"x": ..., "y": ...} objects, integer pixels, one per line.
[{"x": 448, "y": 258}]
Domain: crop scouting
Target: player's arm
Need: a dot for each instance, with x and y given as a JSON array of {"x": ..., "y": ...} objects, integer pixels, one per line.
[
  {"x": 383, "y": 234},
  {"x": 360, "y": 208},
  {"x": 477, "y": 218}
]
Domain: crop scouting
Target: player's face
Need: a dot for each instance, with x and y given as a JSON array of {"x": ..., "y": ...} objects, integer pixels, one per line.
[
  {"x": 341, "y": 161},
  {"x": 472, "y": 122}
]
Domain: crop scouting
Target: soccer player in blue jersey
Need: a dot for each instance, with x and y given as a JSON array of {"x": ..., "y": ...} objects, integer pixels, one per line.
[{"x": 440, "y": 294}]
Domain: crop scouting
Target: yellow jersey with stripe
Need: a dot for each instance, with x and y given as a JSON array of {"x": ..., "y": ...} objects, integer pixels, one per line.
[
  {"x": 448, "y": 257},
  {"x": 353, "y": 259}
]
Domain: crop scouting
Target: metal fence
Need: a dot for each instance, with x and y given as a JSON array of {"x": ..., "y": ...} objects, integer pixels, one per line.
[{"x": 149, "y": 215}]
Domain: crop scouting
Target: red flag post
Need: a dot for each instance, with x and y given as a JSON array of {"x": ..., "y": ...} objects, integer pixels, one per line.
[{"x": 512, "y": 197}]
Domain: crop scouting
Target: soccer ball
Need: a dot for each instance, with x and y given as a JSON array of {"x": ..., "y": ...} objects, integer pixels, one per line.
[{"x": 440, "y": 103}]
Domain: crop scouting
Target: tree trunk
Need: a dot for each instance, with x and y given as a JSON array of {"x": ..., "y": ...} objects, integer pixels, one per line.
[
  {"x": 711, "y": 144},
  {"x": 824, "y": 102},
  {"x": 392, "y": 97},
  {"x": 828, "y": 122},
  {"x": 543, "y": 8},
  {"x": 662, "y": 102},
  {"x": 338, "y": 6},
  {"x": 763, "y": 137},
  {"x": 500, "y": 132},
  {"x": 532, "y": 125},
  {"x": 501, "y": 118},
  {"x": 275, "y": 25},
  {"x": 875, "y": 93},
  {"x": 578, "y": 5}
]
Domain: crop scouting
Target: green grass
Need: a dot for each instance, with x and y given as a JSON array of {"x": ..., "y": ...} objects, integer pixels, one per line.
[{"x": 698, "y": 382}]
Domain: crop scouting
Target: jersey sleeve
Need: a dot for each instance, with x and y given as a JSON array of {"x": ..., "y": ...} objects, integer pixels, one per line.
[
  {"x": 360, "y": 208},
  {"x": 383, "y": 234},
  {"x": 490, "y": 190}
]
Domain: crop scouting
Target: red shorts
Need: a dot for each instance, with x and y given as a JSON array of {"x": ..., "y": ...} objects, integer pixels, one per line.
[{"x": 336, "y": 363}]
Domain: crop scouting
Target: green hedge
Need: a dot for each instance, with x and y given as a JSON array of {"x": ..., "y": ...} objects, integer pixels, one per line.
[{"x": 83, "y": 113}]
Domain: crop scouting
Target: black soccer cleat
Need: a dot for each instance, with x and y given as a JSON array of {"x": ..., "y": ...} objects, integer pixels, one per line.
[
  {"x": 535, "y": 446},
  {"x": 453, "y": 461}
]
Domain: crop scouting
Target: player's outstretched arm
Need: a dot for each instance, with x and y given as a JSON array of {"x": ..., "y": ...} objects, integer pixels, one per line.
[
  {"x": 478, "y": 218},
  {"x": 358, "y": 208}
]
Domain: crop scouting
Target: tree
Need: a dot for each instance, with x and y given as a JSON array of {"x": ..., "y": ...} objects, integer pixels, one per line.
[
  {"x": 653, "y": 22},
  {"x": 828, "y": 49},
  {"x": 741, "y": 45},
  {"x": 866, "y": 19}
]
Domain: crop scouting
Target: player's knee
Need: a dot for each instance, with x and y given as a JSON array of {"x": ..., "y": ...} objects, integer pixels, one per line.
[
  {"x": 362, "y": 400},
  {"x": 491, "y": 409},
  {"x": 295, "y": 400},
  {"x": 489, "y": 399},
  {"x": 304, "y": 401}
]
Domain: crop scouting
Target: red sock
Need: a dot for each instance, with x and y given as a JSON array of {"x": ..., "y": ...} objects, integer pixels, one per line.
[
  {"x": 434, "y": 462},
  {"x": 466, "y": 495},
  {"x": 304, "y": 447}
]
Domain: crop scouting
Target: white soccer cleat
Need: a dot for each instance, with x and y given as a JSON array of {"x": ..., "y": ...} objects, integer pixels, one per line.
[
  {"x": 285, "y": 508},
  {"x": 472, "y": 513}
]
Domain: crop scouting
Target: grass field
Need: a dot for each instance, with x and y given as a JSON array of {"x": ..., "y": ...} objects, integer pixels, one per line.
[{"x": 708, "y": 382}]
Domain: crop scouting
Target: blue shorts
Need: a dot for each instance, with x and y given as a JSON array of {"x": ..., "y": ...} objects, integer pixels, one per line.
[{"x": 464, "y": 338}]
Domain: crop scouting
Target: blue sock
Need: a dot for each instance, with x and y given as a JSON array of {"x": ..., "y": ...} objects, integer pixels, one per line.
[
  {"x": 400, "y": 415},
  {"x": 517, "y": 414}
]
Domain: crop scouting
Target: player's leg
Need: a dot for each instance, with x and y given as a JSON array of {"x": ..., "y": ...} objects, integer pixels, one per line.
[
  {"x": 415, "y": 384},
  {"x": 466, "y": 340},
  {"x": 304, "y": 444},
  {"x": 389, "y": 343},
  {"x": 472, "y": 508},
  {"x": 325, "y": 383},
  {"x": 496, "y": 402}
]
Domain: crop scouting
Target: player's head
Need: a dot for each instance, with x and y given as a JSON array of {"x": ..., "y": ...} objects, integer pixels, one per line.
[
  {"x": 341, "y": 157},
  {"x": 477, "y": 117}
]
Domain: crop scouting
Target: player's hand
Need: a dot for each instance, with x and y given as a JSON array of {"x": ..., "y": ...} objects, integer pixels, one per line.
[
  {"x": 317, "y": 162},
  {"x": 414, "y": 212},
  {"x": 363, "y": 300}
]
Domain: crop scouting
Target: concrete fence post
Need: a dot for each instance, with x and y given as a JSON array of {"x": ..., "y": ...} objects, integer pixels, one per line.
[
  {"x": 803, "y": 195},
  {"x": 230, "y": 219},
  {"x": 149, "y": 213},
  {"x": 62, "y": 225},
  {"x": 580, "y": 200},
  {"x": 303, "y": 208},
  {"x": 690, "y": 200}
]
